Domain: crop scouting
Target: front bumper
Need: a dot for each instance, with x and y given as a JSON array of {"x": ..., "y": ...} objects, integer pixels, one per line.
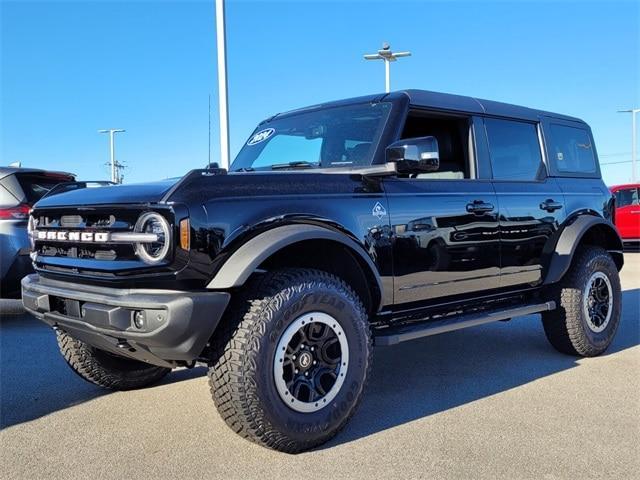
[{"x": 173, "y": 326}]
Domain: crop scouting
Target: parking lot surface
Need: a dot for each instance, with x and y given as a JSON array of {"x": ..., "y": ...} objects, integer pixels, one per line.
[{"x": 489, "y": 402}]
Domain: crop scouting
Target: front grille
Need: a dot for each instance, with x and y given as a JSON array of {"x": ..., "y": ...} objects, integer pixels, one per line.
[
  {"x": 121, "y": 221},
  {"x": 81, "y": 248},
  {"x": 71, "y": 220},
  {"x": 123, "y": 252}
]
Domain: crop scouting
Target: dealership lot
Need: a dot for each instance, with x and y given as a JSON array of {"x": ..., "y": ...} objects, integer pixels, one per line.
[{"x": 489, "y": 402}]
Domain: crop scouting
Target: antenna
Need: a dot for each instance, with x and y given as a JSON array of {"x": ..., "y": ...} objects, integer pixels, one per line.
[{"x": 209, "y": 162}]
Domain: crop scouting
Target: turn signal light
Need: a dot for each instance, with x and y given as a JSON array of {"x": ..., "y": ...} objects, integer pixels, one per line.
[{"x": 185, "y": 234}]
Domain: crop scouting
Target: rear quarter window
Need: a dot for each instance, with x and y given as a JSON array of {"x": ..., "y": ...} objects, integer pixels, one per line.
[
  {"x": 36, "y": 186},
  {"x": 572, "y": 151}
]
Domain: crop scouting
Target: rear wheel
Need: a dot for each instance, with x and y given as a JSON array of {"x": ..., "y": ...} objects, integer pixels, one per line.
[
  {"x": 292, "y": 359},
  {"x": 588, "y": 301},
  {"x": 105, "y": 369}
]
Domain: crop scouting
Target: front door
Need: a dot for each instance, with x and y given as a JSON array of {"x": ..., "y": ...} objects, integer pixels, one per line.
[{"x": 445, "y": 237}]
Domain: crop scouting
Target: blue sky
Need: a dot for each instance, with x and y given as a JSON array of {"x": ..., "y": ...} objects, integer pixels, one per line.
[{"x": 71, "y": 68}]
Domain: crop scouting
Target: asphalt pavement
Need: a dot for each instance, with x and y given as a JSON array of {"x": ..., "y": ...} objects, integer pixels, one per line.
[{"x": 494, "y": 401}]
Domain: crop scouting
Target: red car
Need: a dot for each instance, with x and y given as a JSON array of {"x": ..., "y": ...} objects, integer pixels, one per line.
[{"x": 628, "y": 211}]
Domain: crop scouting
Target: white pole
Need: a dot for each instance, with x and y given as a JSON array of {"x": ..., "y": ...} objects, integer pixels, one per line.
[
  {"x": 113, "y": 157},
  {"x": 634, "y": 145},
  {"x": 222, "y": 85},
  {"x": 387, "y": 56},
  {"x": 387, "y": 81}
]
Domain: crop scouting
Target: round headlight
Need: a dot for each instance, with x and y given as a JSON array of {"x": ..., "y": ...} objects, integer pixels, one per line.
[{"x": 154, "y": 251}]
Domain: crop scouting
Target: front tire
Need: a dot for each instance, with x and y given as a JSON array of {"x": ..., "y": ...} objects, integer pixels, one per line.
[
  {"x": 105, "y": 369},
  {"x": 588, "y": 301},
  {"x": 291, "y": 361}
]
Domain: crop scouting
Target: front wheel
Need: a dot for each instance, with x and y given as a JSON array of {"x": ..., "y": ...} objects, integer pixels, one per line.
[
  {"x": 292, "y": 360},
  {"x": 588, "y": 300}
]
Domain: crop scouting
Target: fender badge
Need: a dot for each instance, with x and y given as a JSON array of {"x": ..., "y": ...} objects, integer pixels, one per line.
[{"x": 378, "y": 211}]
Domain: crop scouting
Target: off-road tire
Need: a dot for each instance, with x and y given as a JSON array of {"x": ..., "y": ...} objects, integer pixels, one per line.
[
  {"x": 105, "y": 369},
  {"x": 241, "y": 374},
  {"x": 566, "y": 327}
]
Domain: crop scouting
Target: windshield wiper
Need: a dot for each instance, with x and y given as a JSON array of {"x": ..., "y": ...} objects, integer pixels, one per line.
[
  {"x": 300, "y": 164},
  {"x": 244, "y": 169}
]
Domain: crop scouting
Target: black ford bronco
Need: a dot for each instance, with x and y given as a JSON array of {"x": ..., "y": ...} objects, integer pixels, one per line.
[{"x": 374, "y": 220}]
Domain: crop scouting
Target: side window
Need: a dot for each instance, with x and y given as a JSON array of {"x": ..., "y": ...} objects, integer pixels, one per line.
[
  {"x": 626, "y": 197},
  {"x": 571, "y": 150},
  {"x": 514, "y": 149},
  {"x": 454, "y": 140},
  {"x": 289, "y": 148}
]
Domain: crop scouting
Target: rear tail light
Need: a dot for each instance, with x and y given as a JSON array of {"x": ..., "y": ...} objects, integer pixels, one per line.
[{"x": 19, "y": 212}]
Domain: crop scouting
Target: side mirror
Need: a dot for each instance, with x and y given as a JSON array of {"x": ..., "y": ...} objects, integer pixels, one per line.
[{"x": 413, "y": 155}]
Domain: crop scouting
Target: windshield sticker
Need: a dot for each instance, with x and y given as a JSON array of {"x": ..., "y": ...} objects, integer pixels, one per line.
[{"x": 261, "y": 136}]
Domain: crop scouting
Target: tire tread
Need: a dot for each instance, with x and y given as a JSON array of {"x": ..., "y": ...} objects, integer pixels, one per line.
[
  {"x": 86, "y": 361},
  {"x": 236, "y": 346}
]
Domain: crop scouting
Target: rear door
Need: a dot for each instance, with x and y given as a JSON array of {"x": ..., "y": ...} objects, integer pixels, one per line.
[{"x": 531, "y": 205}]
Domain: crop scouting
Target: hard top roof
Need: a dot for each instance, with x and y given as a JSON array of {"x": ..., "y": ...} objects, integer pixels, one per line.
[{"x": 445, "y": 101}]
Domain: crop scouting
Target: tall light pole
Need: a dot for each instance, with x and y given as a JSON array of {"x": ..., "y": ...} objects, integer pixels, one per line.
[
  {"x": 222, "y": 85},
  {"x": 634, "y": 144},
  {"x": 114, "y": 171},
  {"x": 387, "y": 56}
]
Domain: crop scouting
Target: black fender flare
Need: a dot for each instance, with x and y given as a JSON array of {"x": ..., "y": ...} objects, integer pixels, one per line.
[
  {"x": 569, "y": 240},
  {"x": 244, "y": 261}
]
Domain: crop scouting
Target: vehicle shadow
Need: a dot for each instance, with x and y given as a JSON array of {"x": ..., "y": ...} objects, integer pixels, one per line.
[
  {"x": 409, "y": 381},
  {"x": 35, "y": 380},
  {"x": 434, "y": 374}
]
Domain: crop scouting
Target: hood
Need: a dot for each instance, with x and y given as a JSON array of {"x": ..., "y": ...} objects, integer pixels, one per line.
[{"x": 151, "y": 192}]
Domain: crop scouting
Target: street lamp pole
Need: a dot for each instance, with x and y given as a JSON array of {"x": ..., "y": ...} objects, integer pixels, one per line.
[
  {"x": 634, "y": 143},
  {"x": 112, "y": 153},
  {"x": 387, "y": 56},
  {"x": 222, "y": 85}
]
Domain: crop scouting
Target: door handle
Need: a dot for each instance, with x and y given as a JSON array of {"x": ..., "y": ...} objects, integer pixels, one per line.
[
  {"x": 550, "y": 205},
  {"x": 478, "y": 206}
]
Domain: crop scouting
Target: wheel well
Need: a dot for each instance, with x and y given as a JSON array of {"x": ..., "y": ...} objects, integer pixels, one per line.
[
  {"x": 603, "y": 236},
  {"x": 331, "y": 257}
]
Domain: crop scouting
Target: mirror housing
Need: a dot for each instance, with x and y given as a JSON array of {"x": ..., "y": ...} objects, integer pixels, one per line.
[{"x": 415, "y": 155}]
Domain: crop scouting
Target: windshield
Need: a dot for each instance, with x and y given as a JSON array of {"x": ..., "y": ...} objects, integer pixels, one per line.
[{"x": 332, "y": 137}]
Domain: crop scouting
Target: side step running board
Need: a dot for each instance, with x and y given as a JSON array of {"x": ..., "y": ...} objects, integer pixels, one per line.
[{"x": 393, "y": 335}]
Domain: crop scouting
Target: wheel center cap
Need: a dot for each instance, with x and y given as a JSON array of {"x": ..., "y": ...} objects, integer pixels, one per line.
[{"x": 304, "y": 360}]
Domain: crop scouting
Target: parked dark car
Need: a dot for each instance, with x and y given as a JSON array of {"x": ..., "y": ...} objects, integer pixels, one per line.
[
  {"x": 628, "y": 212},
  {"x": 378, "y": 219},
  {"x": 20, "y": 188}
]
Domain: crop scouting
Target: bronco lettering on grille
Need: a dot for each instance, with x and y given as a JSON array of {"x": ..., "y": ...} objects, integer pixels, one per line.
[{"x": 66, "y": 236}]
